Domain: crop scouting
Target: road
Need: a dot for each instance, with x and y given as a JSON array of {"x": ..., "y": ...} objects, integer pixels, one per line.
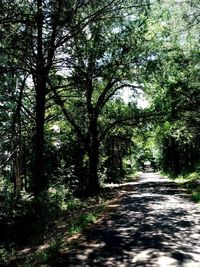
[{"x": 155, "y": 224}]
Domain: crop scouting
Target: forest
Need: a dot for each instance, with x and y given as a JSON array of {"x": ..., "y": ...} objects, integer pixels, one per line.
[{"x": 90, "y": 91}]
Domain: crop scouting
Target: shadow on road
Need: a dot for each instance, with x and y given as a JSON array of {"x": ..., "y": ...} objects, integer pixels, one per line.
[{"x": 154, "y": 225}]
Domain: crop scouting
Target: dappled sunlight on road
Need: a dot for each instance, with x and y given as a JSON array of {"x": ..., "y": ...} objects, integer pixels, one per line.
[{"x": 155, "y": 225}]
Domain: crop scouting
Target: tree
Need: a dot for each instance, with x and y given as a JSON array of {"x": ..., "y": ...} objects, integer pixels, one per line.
[
  {"x": 172, "y": 71},
  {"x": 38, "y": 33},
  {"x": 118, "y": 148},
  {"x": 99, "y": 66}
]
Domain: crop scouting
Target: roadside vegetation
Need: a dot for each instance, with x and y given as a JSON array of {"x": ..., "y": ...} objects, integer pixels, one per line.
[
  {"x": 90, "y": 91},
  {"x": 191, "y": 182}
]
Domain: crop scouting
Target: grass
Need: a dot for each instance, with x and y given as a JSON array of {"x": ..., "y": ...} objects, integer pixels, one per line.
[
  {"x": 191, "y": 182},
  {"x": 196, "y": 196},
  {"x": 82, "y": 221},
  {"x": 72, "y": 216},
  {"x": 132, "y": 177},
  {"x": 67, "y": 217},
  {"x": 50, "y": 254}
]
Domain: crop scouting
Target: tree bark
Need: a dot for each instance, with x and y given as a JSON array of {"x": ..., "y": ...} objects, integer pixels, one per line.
[
  {"x": 17, "y": 144},
  {"x": 40, "y": 182},
  {"x": 40, "y": 80},
  {"x": 93, "y": 185},
  {"x": 17, "y": 176}
]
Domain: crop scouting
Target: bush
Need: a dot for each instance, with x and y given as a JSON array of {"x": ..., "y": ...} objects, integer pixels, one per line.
[
  {"x": 193, "y": 176},
  {"x": 196, "y": 196}
]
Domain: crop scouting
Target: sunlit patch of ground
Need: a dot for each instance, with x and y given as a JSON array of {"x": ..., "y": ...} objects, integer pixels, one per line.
[{"x": 155, "y": 224}]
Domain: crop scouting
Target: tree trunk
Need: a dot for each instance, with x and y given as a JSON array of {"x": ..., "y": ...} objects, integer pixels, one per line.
[
  {"x": 175, "y": 161},
  {"x": 17, "y": 176},
  {"x": 17, "y": 144},
  {"x": 40, "y": 182},
  {"x": 40, "y": 80},
  {"x": 93, "y": 185}
]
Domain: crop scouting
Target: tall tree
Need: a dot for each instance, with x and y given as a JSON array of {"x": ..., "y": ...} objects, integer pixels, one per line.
[
  {"x": 104, "y": 58},
  {"x": 40, "y": 35},
  {"x": 172, "y": 72}
]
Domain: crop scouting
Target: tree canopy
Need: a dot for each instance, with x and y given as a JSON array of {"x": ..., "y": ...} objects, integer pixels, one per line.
[{"x": 91, "y": 90}]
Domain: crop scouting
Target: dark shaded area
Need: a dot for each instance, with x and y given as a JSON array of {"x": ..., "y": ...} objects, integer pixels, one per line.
[
  {"x": 155, "y": 225},
  {"x": 25, "y": 224}
]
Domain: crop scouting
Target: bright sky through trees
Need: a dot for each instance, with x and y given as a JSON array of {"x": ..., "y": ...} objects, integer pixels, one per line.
[{"x": 127, "y": 96}]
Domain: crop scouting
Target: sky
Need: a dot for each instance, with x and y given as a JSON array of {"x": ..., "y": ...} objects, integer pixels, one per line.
[{"x": 127, "y": 96}]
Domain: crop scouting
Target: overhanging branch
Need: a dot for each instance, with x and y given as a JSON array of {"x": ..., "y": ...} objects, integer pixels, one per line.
[
  {"x": 66, "y": 112},
  {"x": 131, "y": 121}
]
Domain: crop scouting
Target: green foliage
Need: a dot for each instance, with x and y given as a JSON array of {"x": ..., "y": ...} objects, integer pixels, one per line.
[
  {"x": 172, "y": 82},
  {"x": 88, "y": 56},
  {"x": 191, "y": 183},
  {"x": 193, "y": 176},
  {"x": 86, "y": 218},
  {"x": 50, "y": 255},
  {"x": 80, "y": 222},
  {"x": 74, "y": 229},
  {"x": 196, "y": 195},
  {"x": 44, "y": 256},
  {"x": 4, "y": 255},
  {"x": 117, "y": 150}
]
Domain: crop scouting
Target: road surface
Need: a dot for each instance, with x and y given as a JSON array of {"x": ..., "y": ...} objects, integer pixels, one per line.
[{"x": 155, "y": 224}]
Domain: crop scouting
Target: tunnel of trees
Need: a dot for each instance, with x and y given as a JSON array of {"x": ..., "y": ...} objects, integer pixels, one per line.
[{"x": 90, "y": 91}]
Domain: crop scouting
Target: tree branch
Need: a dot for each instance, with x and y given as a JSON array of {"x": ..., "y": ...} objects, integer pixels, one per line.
[{"x": 66, "y": 112}]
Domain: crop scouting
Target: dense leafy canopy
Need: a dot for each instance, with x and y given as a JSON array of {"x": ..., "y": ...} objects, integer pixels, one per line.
[{"x": 91, "y": 90}]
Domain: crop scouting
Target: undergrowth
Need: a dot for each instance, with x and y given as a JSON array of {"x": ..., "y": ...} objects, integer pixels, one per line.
[
  {"x": 191, "y": 182},
  {"x": 37, "y": 240}
]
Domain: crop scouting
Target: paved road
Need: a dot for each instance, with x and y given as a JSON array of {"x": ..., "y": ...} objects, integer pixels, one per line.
[{"x": 154, "y": 225}]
